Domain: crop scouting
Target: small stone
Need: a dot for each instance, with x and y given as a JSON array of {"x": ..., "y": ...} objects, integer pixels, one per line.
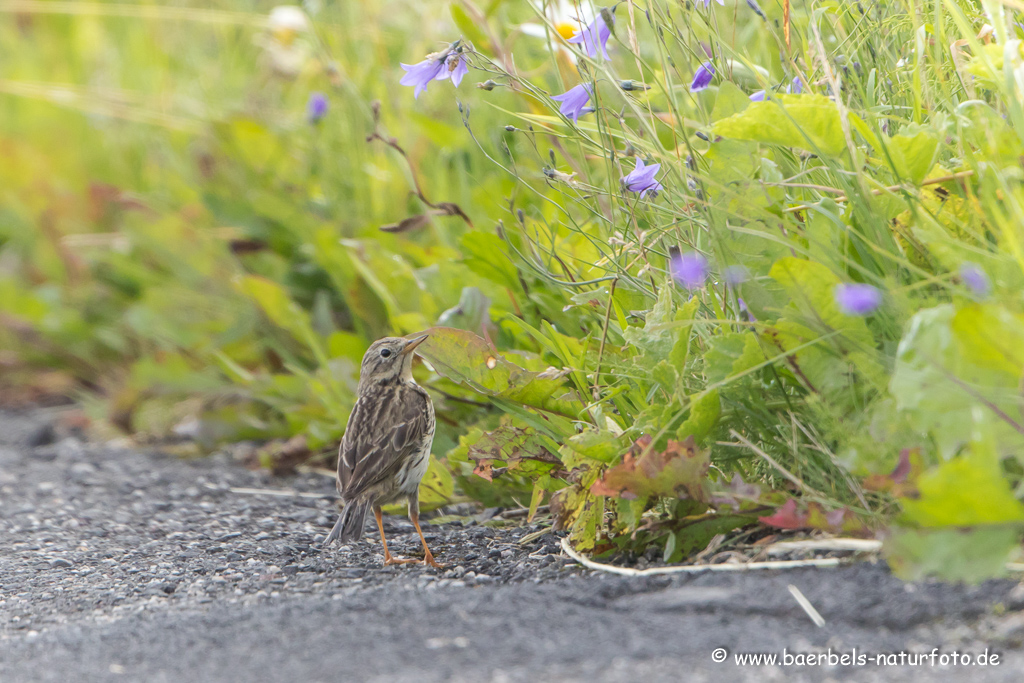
[
  {"x": 43, "y": 435},
  {"x": 60, "y": 563}
]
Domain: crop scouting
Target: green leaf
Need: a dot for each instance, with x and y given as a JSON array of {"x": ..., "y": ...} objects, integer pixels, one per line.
[
  {"x": 463, "y": 357},
  {"x": 704, "y": 413},
  {"x": 968, "y": 490},
  {"x": 731, "y": 355},
  {"x": 698, "y": 531},
  {"x": 681, "y": 348},
  {"x": 729, "y": 100},
  {"x": 656, "y": 339},
  {"x": 471, "y": 313},
  {"x": 596, "y": 444},
  {"x": 846, "y": 347},
  {"x": 487, "y": 255},
  {"x": 913, "y": 155},
  {"x": 468, "y": 27},
  {"x": 971, "y": 555},
  {"x": 808, "y": 122},
  {"x": 278, "y": 306},
  {"x": 952, "y": 363},
  {"x": 991, "y": 337}
]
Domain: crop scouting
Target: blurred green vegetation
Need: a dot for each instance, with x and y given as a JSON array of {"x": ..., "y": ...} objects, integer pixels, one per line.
[{"x": 180, "y": 244}]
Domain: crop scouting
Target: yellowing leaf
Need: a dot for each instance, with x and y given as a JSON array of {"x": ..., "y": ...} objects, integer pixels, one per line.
[
  {"x": 965, "y": 491},
  {"x": 808, "y": 122}
]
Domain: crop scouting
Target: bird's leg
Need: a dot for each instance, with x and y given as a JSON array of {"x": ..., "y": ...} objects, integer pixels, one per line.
[
  {"x": 414, "y": 515},
  {"x": 388, "y": 558}
]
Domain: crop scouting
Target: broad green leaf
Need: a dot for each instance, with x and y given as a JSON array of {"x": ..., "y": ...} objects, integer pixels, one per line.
[
  {"x": 951, "y": 363},
  {"x": 655, "y": 340},
  {"x": 463, "y": 357},
  {"x": 468, "y": 27},
  {"x": 596, "y": 444},
  {"x": 808, "y": 122},
  {"x": 487, "y": 255},
  {"x": 278, "y": 306},
  {"x": 846, "y": 347},
  {"x": 731, "y": 355},
  {"x": 697, "y": 532},
  {"x": 991, "y": 337},
  {"x": 970, "y": 555},
  {"x": 811, "y": 286},
  {"x": 968, "y": 490},
  {"x": 518, "y": 449},
  {"x": 681, "y": 348},
  {"x": 704, "y": 413},
  {"x": 470, "y": 314},
  {"x": 729, "y": 100},
  {"x": 913, "y": 155},
  {"x": 21, "y": 303}
]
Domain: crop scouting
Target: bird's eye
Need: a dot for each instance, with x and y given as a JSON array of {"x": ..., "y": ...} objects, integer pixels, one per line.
[{"x": 385, "y": 353}]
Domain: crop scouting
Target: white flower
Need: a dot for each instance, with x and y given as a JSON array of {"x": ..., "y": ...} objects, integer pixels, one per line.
[
  {"x": 286, "y": 22},
  {"x": 285, "y": 42},
  {"x": 563, "y": 16}
]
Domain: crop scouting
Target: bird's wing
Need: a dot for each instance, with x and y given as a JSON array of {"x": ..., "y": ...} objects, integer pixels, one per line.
[{"x": 380, "y": 436}]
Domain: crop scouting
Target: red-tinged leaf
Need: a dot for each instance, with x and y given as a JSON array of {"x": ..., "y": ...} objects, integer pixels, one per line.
[
  {"x": 483, "y": 469},
  {"x": 788, "y": 516},
  {"x": 902, "y": 481},
  {"x": 407, "y": 224},
  {"x": 680, "y": 471}
]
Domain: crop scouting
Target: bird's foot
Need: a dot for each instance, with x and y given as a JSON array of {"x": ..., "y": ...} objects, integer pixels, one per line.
[
  {"x": 430, "y": 561},
  {"x": 391, "y": 559}
]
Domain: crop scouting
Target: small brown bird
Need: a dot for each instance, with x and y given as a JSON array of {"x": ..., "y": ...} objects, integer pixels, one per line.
[{"x": 386, "y": 448}]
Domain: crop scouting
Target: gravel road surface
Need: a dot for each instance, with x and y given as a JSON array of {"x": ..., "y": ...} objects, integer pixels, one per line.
[{"x": 125, "y": 564}]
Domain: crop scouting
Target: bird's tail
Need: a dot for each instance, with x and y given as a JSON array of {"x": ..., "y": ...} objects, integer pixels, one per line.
[{"x": 349, "y": 526}]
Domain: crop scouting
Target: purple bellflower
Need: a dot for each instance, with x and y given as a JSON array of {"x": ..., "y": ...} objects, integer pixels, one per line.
[
  {"x": 858, "y": 298},
  {"x": 594, "y": 38},
  {"x": 455, "y": 67},
  {"x": 316, "y": 108},
  {"x": 796, "y": 87},
  {"x": 690, "y": 269},
  {"x": 641, "y": 179},
  {"x": 702, "y": 79},
  {"x": 975, "y": 278},
  {"x": 439, "y": 66},
  {"x": 759, "y": 96},
  {"x": 420, "y": 75},
  {"x": 707, "y": 3},
  {"x": 574, "y": 102}
]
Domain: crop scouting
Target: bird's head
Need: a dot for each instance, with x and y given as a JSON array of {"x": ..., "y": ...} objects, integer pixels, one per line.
[{"x": 388, "y": 360}]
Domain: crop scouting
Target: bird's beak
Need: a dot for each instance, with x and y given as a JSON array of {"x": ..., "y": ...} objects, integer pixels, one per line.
[{"x": 413, "y": 343}]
